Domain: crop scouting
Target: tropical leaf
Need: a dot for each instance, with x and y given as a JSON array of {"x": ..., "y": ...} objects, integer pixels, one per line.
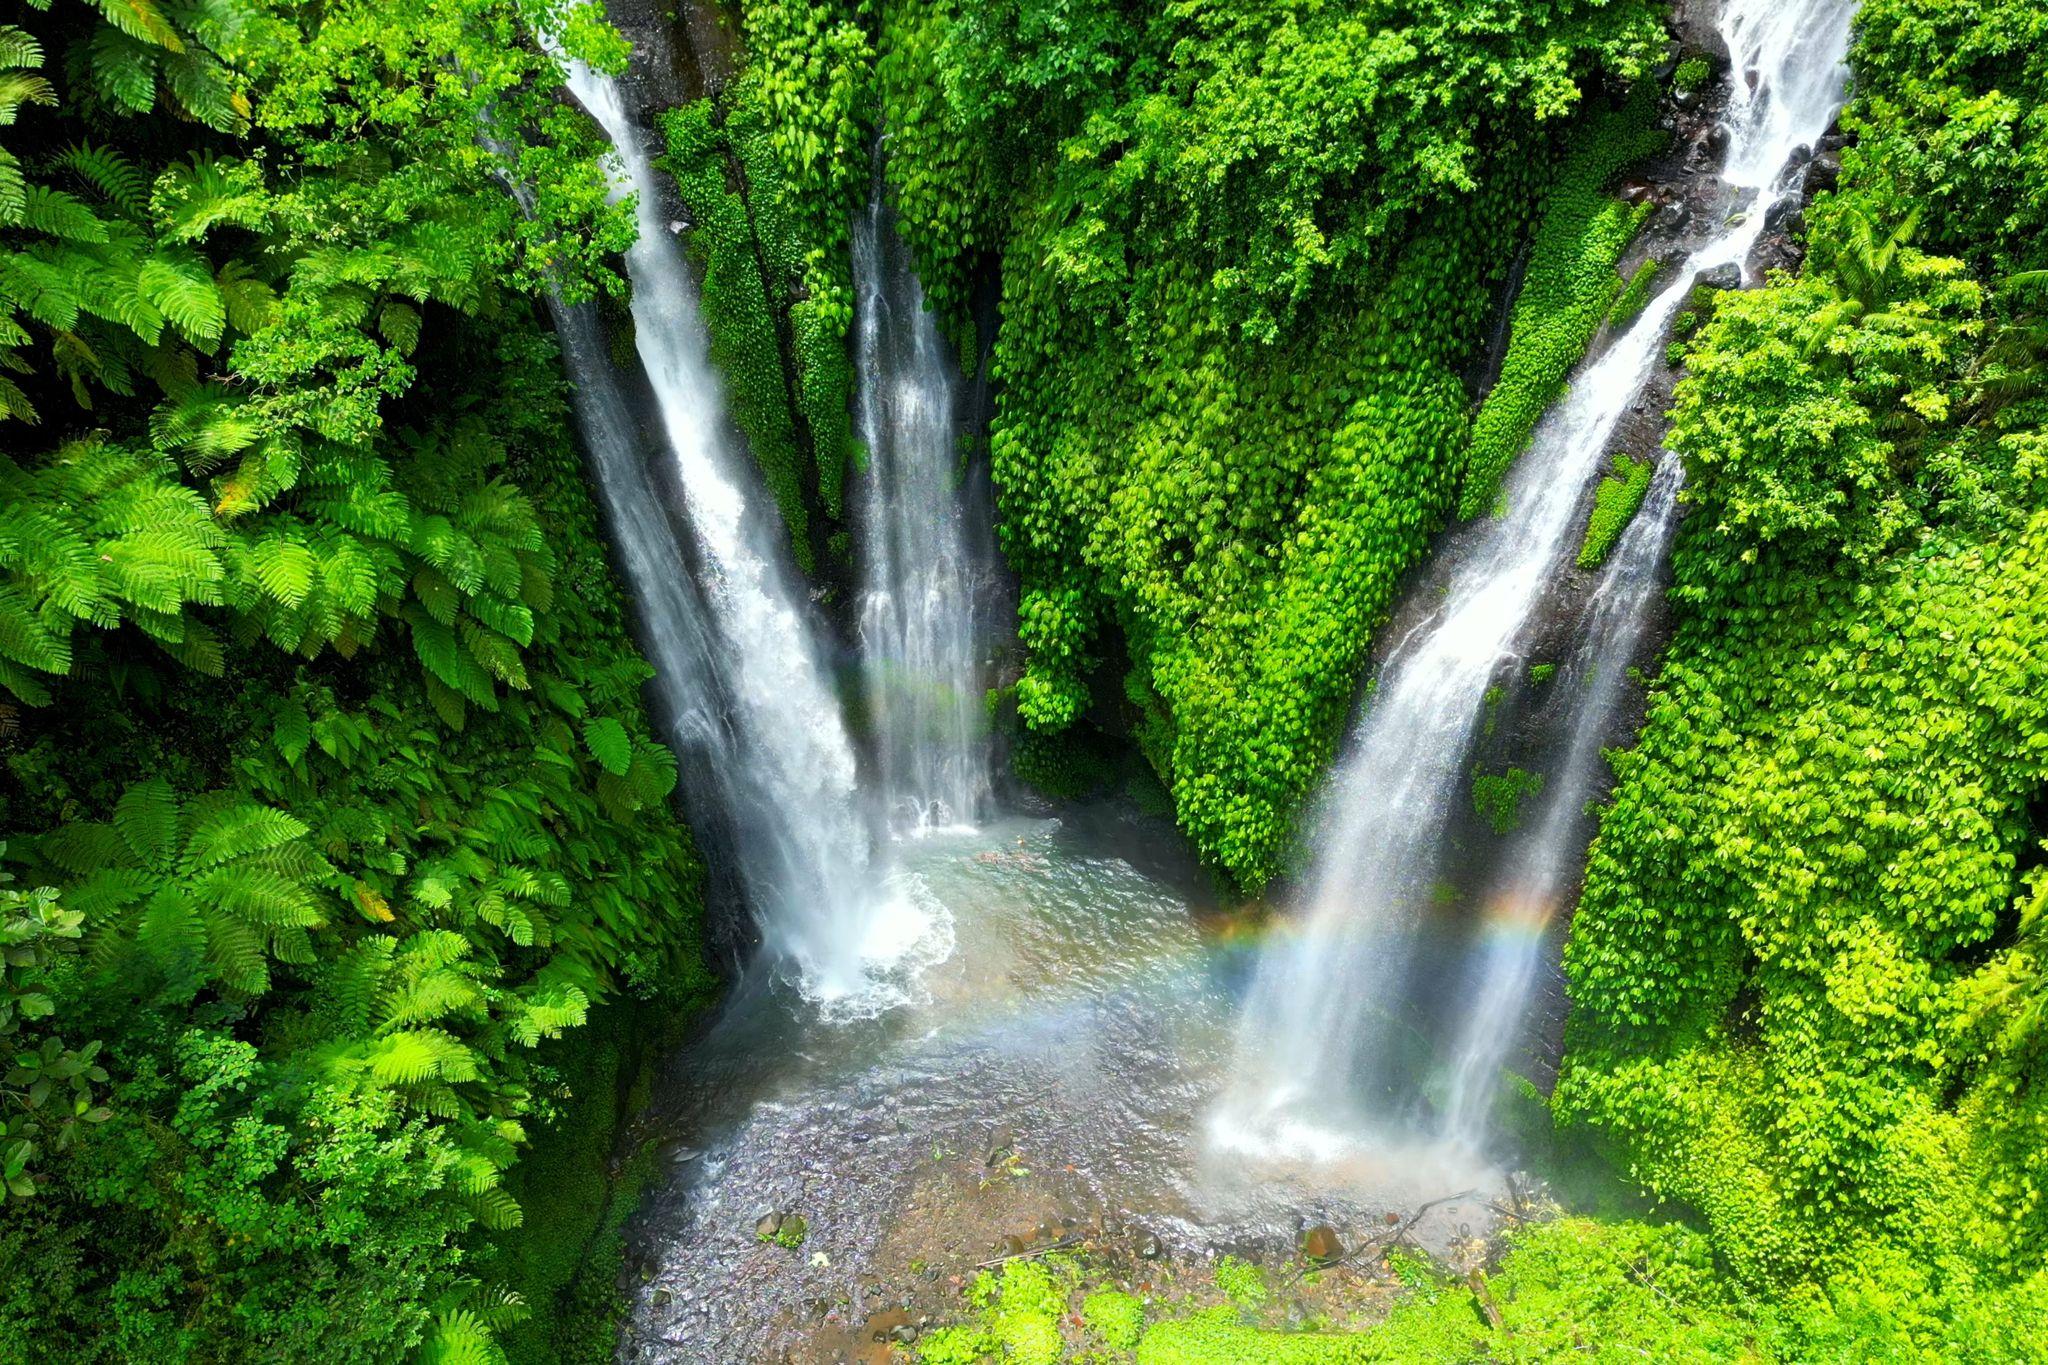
[
  {"x": 147, "y": 819},
  {"x": 608, "y": 744}
]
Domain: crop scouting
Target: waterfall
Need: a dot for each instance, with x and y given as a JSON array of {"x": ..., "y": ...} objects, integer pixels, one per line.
[
  {"x": 1512, "y": 940},
  {"x": 921, "y": 579},
  {"x": 1313, "y": 1049},
  {"x": 848, "y": 931}
]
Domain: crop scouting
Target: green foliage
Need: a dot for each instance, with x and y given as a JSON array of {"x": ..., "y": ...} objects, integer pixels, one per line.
[
  {"x": 1498, "y": 797},
  {"x": 1241, "y": 1282},
  {"x": 1804, "y": 966},
  {"x": 1241, "y": 269},
  {"x": 1629, "y": 302},
  {"x": 47, "y": 1089},
  {"x": 772, "y": 169},
  {"x": 1117, "y": 1318},
  {"x": 324, "y": 754},
  {"x": 1616, "y": 499},
  {"x": 1566, "y": 292},
  {"x": 1692, "y": 74}
]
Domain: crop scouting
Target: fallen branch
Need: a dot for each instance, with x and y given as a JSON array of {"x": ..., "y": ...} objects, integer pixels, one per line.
[
  {"x": 1061, "y": 1245},
  {"x": 1390, "y": 1237}
]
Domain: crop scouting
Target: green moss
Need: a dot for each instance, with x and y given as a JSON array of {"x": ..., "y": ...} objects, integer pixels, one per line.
[
  {"x": 1117, "y": 1318},
  {"x": 1692, "y": 73},
  {"x": 1615, "y": 501},
  {"x": 1499, "y": 796},
  {"x": 1635, "y": 294}
]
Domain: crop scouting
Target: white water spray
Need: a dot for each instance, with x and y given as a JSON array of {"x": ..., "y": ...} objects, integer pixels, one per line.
[
  {"x": 1314, "y": 1049},
  {"x": 852, "y": 934},
  {"x": 921, "y": 580},
  {"x": 1513, "y": 943}
]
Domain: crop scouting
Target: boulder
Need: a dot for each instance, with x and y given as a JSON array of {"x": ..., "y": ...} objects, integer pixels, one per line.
[
  {"x": 1727, "y": 275},
  {"x": 1321, "y": 1243}
]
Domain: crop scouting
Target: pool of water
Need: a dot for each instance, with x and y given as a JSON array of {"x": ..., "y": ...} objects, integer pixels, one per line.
[{"x": 1051, "y": 1081}]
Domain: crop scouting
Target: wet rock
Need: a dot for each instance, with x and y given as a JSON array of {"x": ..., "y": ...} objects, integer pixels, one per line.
[
  {"x": 1673, "y": 216},
  {"x": 1636, "y": 192},
  {"x": 1727, "y": 275},
  {"x": 684, "y": 1155},
  {"x": 1823, "y": 175},
  {"x": 661, "y": 1298},
  {"x": 1779, "y": 212},
  {"x": 1321, "y": 1243},
  {"x": 1149, "y": 1247},
  {"x": 1013, "y": 1245},
  {"x": 903, "y": 1334},
  {"x": 1001, "y": 1143},
  {"x": 768, "y": 1224}
]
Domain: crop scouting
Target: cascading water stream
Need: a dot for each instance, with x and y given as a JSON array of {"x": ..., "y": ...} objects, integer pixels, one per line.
[
  {"x": 921, "y": 578},
  {"x": 1513, "y": 939},
  {"x": 851, "y": 932},
  {"x": 1314, "y": 1050}
]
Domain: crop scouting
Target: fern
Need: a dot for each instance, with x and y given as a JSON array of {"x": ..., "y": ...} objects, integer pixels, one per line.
[
  {"x": 234, "y": 828},
  {"x": 196, "y": 196},
  {"x": 180, "y": 284},
  {"x": 58, "y": 214},
  {"x": 141, "y": 19},
  {"x": 147, "y": 819},
  {"x": 110, "y": 174},
  {"x": 608, "y": 744},
  {"x": 123, "y": 69}
]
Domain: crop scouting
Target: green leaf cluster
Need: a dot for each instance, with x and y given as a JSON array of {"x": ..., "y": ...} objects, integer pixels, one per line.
[
  {"x": 771, "y": 169},
  {"x": 1616, "y": 499}
]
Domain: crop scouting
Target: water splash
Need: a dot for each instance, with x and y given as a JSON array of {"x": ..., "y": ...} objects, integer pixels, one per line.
[
  {"x": 921, "y": 578},
  {"x": 853, "y": 934},
  {"x": 1316, "y": 1053}
]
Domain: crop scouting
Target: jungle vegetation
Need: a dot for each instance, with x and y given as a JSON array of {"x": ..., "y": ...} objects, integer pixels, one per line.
[{"x": 330, "y": 803}]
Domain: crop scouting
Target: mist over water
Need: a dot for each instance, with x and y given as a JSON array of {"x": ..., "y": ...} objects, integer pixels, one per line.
[{"x": 1321, "y": 1059}]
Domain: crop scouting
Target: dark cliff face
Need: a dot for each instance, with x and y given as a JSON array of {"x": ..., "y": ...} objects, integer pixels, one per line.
[{"x": 682, "y": 51}]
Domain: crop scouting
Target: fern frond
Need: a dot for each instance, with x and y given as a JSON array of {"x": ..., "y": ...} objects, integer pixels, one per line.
[
  {"x": 193, "y": 197},
  {"x": 124, "y": 69},
  {"x": 19, "y": 48},
  {"x": 357, "y": 979},
  {"x": 59, "y": 215},
  {"x": 109, "y": 173},
  {"x": 141, "y": 19},
  {"x": 147, "y": 819},
  {"x": 259, "y": 898},
  {"x": 234, "y": 828},
  {"x": 180, "y": 284}
]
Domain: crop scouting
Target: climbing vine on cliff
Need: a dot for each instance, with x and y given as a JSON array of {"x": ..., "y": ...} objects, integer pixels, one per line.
[{"x": 1819, "y": 870}]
